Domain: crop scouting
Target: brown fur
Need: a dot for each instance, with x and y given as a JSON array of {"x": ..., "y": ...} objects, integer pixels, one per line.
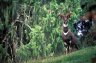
[{"x": 69, "y": 39}]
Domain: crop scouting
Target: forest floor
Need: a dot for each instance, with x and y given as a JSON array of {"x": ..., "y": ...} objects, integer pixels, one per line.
[{"x": 81, "y": 56}]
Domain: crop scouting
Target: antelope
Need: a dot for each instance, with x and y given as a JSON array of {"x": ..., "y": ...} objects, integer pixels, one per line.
[{"x": 70, "y": 41}]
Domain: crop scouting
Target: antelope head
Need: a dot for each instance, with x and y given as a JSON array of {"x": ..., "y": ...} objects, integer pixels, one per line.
[{"x": 65, "y": 17}]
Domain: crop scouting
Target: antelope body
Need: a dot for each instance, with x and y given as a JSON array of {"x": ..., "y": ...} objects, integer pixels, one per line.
[{"x": 68, "y": 37}]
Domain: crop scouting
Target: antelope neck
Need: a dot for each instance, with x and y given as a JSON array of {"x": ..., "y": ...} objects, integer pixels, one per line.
[
  {"x": 65, "y": 33},
  {"x": 65, "y": 25}
]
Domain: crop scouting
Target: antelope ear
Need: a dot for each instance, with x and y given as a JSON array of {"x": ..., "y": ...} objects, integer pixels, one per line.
[
  {"x": 61, "y": 15},
  {"x": 68, "y": 14}
]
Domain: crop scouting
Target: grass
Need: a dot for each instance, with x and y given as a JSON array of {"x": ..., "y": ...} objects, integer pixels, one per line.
[{"x": 80, "y": 56}]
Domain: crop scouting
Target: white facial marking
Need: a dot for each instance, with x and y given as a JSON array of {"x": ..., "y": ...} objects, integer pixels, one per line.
[{"x": 65, "y": 25}]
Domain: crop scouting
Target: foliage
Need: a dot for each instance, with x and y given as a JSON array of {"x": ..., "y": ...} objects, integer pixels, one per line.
[
  {"x": 86, "y": 5},
  {"x": 45, "y": 26},
  {"x": 81, "y": 56},
  {"x": 39, "y": 22},
  {"x": 37, "y": 31}
]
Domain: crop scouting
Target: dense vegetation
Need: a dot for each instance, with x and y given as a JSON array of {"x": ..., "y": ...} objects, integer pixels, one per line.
[
  {"x": 32, "y": 28},
  {"x": 45, "y": 28},
  {"x": 74, "y": 57}
]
